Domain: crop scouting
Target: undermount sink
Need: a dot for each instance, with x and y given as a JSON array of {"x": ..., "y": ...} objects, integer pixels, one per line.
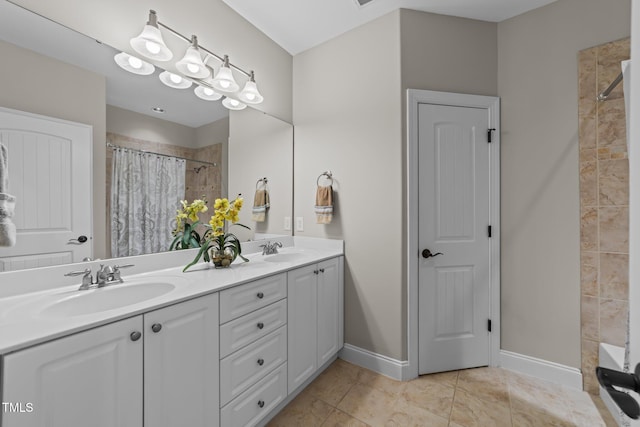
[
  {"x": 286, "y": 257},
  {"x": 107, "y": 298}
]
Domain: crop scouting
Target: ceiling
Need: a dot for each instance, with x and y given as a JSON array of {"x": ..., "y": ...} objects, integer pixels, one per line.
[{"x": 298, "y": 25}]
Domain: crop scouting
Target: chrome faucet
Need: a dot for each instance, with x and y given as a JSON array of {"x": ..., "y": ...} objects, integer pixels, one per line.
[
  {"x": 270, "y": 248},
  {"x": 105, "y": 276}
]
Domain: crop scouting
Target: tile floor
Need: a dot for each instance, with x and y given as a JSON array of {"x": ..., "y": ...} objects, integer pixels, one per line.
[{"x": 347, "y": 395}]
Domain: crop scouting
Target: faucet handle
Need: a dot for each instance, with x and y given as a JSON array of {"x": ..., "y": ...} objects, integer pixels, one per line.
[
  {"x": 87, "y": 281},
  {"x": 116, "y": 272}
]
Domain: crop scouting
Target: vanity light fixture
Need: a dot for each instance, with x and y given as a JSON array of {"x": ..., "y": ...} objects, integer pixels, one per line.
[
  {"x": 250, "y": 93},
  {"x": 173, "y": 80},
  {"x": 133, "y": 64},
  {"x": 233, "y": 104},
  {"x": 192, "y": 66},
  {"x": 224, "y": 81},
  {"x": 150, "y": 43}
]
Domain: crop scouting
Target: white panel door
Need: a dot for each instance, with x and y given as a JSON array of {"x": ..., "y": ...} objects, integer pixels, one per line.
[
  {"x": 330, "y": 309},
  {"x": 92, "y": 378},
  {"x": 181, "y": 359},
  {"x": 50, "y": 175},
  {"x": 454, "y": 203},
  {"x": 301, "y": 324}
]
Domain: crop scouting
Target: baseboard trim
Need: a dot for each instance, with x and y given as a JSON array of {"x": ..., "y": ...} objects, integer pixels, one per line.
[
  {"x": 543, "y": 369},
  {"x": 396, "y": 369}
]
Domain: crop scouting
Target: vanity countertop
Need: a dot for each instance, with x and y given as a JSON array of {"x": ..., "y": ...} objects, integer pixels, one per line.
[{"x": 23, "y": 323}]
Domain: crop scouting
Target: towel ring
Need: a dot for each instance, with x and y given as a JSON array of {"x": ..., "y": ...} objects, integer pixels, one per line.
[
  {"x": 263, "y": 180},
  {"x": 326, "y": 174}
]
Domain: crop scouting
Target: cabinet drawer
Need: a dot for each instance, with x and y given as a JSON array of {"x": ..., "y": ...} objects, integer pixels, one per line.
[
  {"x": 243, "y": 331},
  {"x": 244, "y": 367},
  {"x": 243, "y": 299},
  {"x": 252, "y": 405}
]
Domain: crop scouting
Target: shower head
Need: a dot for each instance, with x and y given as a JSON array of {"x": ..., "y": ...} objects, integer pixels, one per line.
[{"x": 199, "y": 168}]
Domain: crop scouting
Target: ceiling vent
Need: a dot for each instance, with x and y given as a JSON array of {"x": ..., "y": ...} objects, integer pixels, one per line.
[{"x": 363, "y": 2}]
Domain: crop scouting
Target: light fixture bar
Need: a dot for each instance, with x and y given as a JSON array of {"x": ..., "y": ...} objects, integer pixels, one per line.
[{"x": 204, "y": 49}]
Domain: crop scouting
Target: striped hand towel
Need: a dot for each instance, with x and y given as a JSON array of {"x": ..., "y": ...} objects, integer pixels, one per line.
[
  {"x": 324, "y": 205},
  {"x": 260, "y": 205}
]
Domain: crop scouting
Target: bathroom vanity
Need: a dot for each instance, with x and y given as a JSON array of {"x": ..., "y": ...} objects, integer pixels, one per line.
[{"x": 226, "y": 347}]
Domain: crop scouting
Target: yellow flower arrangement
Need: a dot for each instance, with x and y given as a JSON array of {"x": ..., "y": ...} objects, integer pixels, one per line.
[
  {"x": 216, "y": 244},
  {"x": 185, "y": 233}
]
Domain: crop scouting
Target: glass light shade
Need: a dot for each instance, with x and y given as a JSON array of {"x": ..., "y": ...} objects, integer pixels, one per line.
[
  {"x": 250, "y": 93},
  {"x": 133, "y": 65},
  {"x": 173, "y": 80},
  {"x": 192, "y": 65},
  {"x": 150, "y": 44},
  {"x": 233, "y": 104},
  {"x": 224, "y": 81},
  {"x": 207, "y": 93}
]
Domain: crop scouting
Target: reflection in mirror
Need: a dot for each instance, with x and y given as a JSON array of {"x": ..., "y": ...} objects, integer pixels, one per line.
[{"x": 61, "y": 74}]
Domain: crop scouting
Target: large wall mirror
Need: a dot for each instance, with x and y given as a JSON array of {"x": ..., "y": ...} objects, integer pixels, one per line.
[{"x": 52, "y": 72}]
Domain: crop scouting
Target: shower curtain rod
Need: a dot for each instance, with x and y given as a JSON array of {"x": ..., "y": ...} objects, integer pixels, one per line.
[
  {"x": 605, "y": 93},
  {"x": 159, "y": 154}
]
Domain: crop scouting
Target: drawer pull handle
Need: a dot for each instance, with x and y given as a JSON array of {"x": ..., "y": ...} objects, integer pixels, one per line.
[
  {"x": 260, "y": 325},
  {"x": 156, "y": 327},
  {"x": 315, "y": 271},
  {"x": 261, "y": 403},
  {"x": 260, "y": 362},
  {"x": 135, "y": 336},
  {"x": 322, "y": 270},
  {"x": 260, "y": 295}
]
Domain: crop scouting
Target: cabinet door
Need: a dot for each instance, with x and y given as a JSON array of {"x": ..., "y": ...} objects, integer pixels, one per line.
[
  {"x": 330, "y": 309},
  {"x": 301, "y": 325},
  {"x": 93, "y": 378},
  {"x": 181, "y": 364}
]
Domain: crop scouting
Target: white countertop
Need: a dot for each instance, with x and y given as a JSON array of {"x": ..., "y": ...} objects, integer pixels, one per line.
[{"x": 23, "y": 323}]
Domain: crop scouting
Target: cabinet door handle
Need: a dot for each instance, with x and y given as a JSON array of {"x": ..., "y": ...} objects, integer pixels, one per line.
[
  {"x": 260, "y": 295},
  {"x": 315, "y": 271},
  {"x": 322, "y": 270},
  {"x": 260, "y": 325},
  {"x": 156, "y": 327},
  {"x": 135, "y": 335},
  {"x": 261, "y": 403},
  {"x": 260, "y": 362}
]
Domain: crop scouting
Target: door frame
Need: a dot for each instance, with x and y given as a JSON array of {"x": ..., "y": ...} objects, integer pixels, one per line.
[{"x": 492, "y": 103}]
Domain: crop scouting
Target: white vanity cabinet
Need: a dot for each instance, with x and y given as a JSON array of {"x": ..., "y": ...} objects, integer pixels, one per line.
[
  {"x": 253, "y": 350},
  {"x": 97, "y": 377},
  {"x": 92, "y": 378},
  {"x": 181, "y": 364},
  {"x": 315, "y": 318}
]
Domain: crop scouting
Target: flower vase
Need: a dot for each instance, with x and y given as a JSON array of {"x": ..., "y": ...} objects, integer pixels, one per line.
[{"x": 222, "y": 258}]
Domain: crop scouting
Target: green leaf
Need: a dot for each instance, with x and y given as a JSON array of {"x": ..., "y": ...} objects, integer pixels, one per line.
[{"x": 197, "y": 258}]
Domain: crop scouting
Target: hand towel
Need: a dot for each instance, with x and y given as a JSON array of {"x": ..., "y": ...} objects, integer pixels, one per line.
[
  {"x": 260, "y": 205},
  {"x": 324, "y": 205},
  {"x": 7, "y": 202}
]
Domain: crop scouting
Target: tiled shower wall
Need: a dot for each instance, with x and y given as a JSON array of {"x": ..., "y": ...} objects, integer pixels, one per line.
[
  {"x": 206, "y": 182},
  {"x": 604, "y": 205}
]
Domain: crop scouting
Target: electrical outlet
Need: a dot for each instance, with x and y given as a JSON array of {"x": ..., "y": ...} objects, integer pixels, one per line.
[
  {"x": 299, "y": 223},
  {"x": 287, "y": 223}
]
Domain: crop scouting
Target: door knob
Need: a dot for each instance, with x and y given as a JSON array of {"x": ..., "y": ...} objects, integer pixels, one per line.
[
  {"x": 80, "y": 240},
  {"x": 427, "y": 254},
  {"x": 135, "y": 335},
  {"x": 156, "y": 327}
]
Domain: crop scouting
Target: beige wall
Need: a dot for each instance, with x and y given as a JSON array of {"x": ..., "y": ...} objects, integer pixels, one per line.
[
  {"x": 347, "y": 116},
  {"x": 217, "y": 26},
  {"x": 217, "y": 133},
  {"x": 261, "y": 146},
  {"x": 144, "y": 127},
  {"x": 537, "y": 82},
  {"x": 350, "y": 120},
  {"x": 42, "y": 85}
]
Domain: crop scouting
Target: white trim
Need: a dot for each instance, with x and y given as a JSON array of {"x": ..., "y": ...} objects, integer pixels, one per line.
[
  {"x": 384, "y": 365},
  {"x": 414, "y": 98},
  {"x": 543, "y": 369}
]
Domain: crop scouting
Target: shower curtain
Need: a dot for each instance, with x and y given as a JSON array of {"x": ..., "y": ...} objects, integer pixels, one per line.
[{"x": 146, "y": 190}]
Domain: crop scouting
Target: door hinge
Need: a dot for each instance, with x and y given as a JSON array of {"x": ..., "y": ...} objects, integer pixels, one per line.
[
  {"x": 489, "y": 231},
  {"x": 489, "y": 134},
  {"x": 489, "y": 325}
]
